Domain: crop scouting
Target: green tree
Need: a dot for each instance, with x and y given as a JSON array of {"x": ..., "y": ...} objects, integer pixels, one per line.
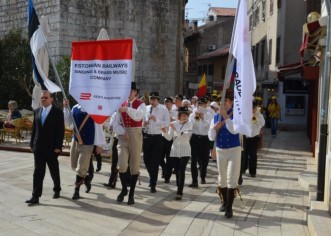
[{"x": 15, "y": 69}]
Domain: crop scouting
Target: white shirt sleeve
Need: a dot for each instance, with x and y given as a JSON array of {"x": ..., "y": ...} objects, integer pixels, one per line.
[
  {"x": 99, "y": 135},
  {"x": 229, "y": 126},
  {"x": 137, "y": 114},
  {"x": 117, "y": 126},
  {"x": 212, "y": 131}
]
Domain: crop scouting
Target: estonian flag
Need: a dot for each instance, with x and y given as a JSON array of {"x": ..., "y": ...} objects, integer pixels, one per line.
[{"x": 37, "y": 42}]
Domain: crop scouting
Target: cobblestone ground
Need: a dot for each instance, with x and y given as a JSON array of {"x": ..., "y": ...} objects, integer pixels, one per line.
[{"x": 273, "y": 202}]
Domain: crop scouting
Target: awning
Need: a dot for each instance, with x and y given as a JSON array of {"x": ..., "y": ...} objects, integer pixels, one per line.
[{"x": 306, "y": 71}]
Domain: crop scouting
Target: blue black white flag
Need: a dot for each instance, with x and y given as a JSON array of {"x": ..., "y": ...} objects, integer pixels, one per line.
[{"x": 37, "y": 43}]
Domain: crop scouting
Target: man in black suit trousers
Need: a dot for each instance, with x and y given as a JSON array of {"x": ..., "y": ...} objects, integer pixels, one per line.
[{"x": 46, "y": 144}]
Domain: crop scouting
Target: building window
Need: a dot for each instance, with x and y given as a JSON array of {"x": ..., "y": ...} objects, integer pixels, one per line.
[
  {"x": 262, "y": 52},
  {"x": 279, "y": 3},
  {"x": 256, "y": 61},
  {"x": 251, "y": 22},
  {"x": 200, "y": 72},
  {"x": 211, "y": 69},
  {"x": 257, "y": 16},
  {"x": 223, "y": 72},
  {"x": 271, "y": 7},
  {"x": 270, "y": 51},
  {"x": 263, "y": 11},
  {"x": 278, "y": 50}
]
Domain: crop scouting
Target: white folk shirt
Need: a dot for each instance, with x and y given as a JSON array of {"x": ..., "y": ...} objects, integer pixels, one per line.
[
  {"x": 181, "y": 139},
  {"x": 162, "y": 119}
]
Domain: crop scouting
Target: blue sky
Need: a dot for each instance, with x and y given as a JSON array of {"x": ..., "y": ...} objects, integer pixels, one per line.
[{"x": 199, "y": 8}]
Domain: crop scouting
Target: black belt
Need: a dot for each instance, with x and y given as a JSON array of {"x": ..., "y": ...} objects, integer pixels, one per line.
[
  {"x": 200, "y": 136},
  {"x": 154, "y": 135}
]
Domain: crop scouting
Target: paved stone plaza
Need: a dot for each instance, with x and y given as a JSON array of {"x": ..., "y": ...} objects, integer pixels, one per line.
[{"x": 273, "y": 203}]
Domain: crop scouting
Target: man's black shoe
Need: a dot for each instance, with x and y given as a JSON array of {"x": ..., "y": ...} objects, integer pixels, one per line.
[
  {"x": 109, "y": 185},
  {"x": 194, "y": 185},
  {"x": 167, "y": 181},
  {"x": 153, "y": 190},
  {"x": 56, "y": 195},
  {"x": 33, "y": 201},
  {"x": 130, "y": 201},
  {"x": 120, "y": 197},
  {"x": 203, "y": 181}
]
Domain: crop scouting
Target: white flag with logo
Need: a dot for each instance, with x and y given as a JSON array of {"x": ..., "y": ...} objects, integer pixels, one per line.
[{"x": 244, "y": 80}]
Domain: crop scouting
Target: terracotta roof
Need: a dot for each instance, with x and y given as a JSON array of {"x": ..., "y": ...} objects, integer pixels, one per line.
[
  {"x": 221, "y": 11},
  {"x": 217, "y": 53}
]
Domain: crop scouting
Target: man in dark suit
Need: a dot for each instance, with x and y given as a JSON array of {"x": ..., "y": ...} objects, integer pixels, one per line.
[{"x": 46, "y": 144}]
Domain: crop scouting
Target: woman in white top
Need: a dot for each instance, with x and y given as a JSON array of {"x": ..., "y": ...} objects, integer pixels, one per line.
[{"x": 180, "y": 131}]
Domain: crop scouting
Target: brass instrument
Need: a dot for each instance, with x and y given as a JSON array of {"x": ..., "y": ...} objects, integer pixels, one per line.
[{"x": 197, "y": 116}]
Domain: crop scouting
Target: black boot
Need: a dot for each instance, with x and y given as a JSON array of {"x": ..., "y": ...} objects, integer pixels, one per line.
[
  {"x": 230, "y": 198},
  {"x": 112, "y": 179},
  {"x": 87, "y": 182},
  {"x": 224, "y": 194},
  {"x": 133, "y": 183},
  {"x": 124, "y": 192},
  {"x": 78, "y": 183},
  {"x": 99, "y": 162},
  {"x": 240, "y": 180}
]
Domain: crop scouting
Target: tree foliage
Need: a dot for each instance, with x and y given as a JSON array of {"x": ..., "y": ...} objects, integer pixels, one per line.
[{"x": 15, "y": 69}]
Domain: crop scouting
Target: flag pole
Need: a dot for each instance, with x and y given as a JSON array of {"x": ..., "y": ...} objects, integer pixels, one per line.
[{"x": 60, "y": 84}]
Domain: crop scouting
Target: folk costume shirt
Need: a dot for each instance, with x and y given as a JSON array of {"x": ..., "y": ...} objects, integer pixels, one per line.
[
  {"x": 99, "y": 136},
  {"x": 181, "y": 136},
  {"x": 132, "y": 118},
  {"x": 227, "y": 137}
]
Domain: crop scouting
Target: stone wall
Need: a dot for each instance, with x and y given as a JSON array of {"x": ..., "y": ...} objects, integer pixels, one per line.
[{"x": 156, "y": 26}]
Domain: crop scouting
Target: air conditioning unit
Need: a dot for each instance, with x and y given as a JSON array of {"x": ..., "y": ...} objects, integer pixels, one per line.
[{"x": 211, "y": 47}]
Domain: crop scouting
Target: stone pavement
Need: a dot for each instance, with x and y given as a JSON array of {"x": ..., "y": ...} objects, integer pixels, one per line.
[{"x": 273, "y": 202}]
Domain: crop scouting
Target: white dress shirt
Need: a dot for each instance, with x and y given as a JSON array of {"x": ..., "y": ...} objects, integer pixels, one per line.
[
  {"x": 201, "y": 126},
  {"x": 257, "y": 124},
  {"x": 162, "y": 119}
]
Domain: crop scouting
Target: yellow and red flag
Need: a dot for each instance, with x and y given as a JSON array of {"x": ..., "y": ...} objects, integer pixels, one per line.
[{"x": 202, "y": 89}]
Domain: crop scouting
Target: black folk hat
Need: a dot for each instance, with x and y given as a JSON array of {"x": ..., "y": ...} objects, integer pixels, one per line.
[
  {"x": 179, "y": 97},
  {"x": 183, "y": 110},
  {"x": 134, "y": 86},
  {"x": 154, "y": 95},
  {"x": 202, "y": 100},
  {"x": 168, "y": 99}
]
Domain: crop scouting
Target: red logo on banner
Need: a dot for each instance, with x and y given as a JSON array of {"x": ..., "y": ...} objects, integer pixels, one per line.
[{"x": 85, "y": 96}]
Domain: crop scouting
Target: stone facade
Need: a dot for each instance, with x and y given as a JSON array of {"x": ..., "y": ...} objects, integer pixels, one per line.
[{"x": 156, "y": 26}]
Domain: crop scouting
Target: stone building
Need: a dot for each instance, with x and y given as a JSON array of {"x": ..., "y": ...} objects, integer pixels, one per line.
[
  {"x": 156, "y": 26},
  {"x": 207, "y": 50}
]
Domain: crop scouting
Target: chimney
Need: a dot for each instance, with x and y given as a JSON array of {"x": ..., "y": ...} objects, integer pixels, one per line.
[
  {"x": 187, "y": 24},
  {"x": 195, "y": 26}
]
